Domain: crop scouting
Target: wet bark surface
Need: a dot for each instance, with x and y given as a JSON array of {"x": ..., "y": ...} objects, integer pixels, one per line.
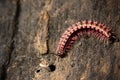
[{"x": 30, "y": 31}]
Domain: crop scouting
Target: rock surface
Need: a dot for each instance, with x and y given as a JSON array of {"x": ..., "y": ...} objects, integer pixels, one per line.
[
  {"x": 30, "y": 31},
  {"x": 8, "y": 10}
]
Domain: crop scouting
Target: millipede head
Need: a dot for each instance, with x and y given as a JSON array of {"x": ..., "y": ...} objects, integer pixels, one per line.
[{"x": 113, "y": 38}]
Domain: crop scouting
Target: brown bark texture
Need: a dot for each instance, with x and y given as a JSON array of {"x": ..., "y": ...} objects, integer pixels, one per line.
[{"x": 30, "y": 31}]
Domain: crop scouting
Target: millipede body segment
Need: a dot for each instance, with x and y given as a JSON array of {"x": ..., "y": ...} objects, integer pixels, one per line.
[{"x": 76, "y": 30}]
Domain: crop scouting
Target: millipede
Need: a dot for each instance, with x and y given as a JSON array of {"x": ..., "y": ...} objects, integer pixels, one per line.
[{"x": 87, "y": 27}]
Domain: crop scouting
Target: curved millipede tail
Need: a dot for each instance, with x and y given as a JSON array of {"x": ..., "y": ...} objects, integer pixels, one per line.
[{"x": 73, "y": 32}]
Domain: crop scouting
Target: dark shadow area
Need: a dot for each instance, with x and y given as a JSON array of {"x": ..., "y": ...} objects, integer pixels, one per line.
[{"x": 52, "y": 67}]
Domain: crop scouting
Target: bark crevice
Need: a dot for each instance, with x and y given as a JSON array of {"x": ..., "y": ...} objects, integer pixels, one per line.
[{"x": 14, "y": 33}]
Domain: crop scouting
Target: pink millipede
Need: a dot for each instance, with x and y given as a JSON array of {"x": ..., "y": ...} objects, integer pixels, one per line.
[{"x": 76, "y": 30}]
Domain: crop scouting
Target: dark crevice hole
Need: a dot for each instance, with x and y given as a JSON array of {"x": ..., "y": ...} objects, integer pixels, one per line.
[
  {"x": 52, "y": 67},
  {"x": 15, "y": 29},
  {"x": 118, "y": 66},
  {"x": 37, "y": 71},
  {"x": 3, "y": 72}
]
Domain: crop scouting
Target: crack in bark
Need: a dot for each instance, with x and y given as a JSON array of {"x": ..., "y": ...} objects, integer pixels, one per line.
[{"x": 12, "y": 46}]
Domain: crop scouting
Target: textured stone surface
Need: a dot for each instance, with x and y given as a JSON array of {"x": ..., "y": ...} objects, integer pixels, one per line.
[
  {"x": 7, "y": 27},
  {"x": 41, "y": 36},
  {"x": 29, "y": 45}
]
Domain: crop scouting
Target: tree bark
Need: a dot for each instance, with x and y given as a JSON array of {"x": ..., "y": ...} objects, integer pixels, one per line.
[{"x": 30, "y": 31}]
